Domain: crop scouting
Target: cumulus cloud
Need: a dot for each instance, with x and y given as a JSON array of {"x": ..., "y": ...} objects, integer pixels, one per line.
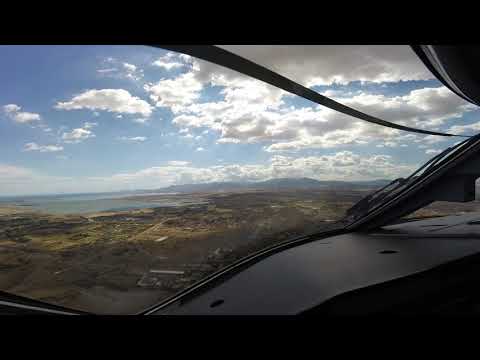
[
  {"x": 317, "y": 64},
  {"x": 77, "y": 135},
  {"x": 132, "y": 72},
  {"x": 180, "y": 91},
  {"x": 9, "y": 108},
  {"x": 25, "y": 117},
  {"x": 327, "y": 64},
  {"x": 252, "y": 111},
  {"x": 238, "y": 120},
  {"x": 42, "y": 148},
  {"x": 433, "y": 151},
  {"x": 421, "y": 107},
  {"x": 111, "y": 100},
  {"x": 14, "y": 113},
  {"x": 168, "y": 62}
]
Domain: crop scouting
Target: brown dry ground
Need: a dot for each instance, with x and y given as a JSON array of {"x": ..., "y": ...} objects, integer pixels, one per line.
[{"x": 103, "y": 262}]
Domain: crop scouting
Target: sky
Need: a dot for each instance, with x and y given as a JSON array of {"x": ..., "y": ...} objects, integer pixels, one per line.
[{"x": 110, "y": 118}]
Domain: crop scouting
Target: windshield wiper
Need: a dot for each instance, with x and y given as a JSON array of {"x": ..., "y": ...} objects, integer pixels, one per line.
[
  {"x": 365, "y": 203},
  {"x": 222, "y": 57},
  {"x": 375, "y": 199},
  {"x": 449, "y": 176}
]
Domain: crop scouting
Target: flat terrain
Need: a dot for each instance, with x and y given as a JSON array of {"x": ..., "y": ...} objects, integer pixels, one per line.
[{"x": 121, "y": 262}]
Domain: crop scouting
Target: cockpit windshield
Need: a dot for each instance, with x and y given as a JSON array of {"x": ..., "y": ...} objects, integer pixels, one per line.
[{"x": 128, "y": 173}]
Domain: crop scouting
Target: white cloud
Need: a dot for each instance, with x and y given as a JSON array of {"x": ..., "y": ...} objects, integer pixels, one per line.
[
  {"x": 109, "y": 70},
  {"x": 167, "y": 62},
  {"x": 343, "y": 165},
  {"x": 252, "y": 111},
  {"x": 178, "y": 163},
  {"x": 238, "y": 119},
  {"x": 312, "y": 65},
  {"x": 25, "y": 117},
  {"x": 174, "y": 93},
  {"x": 13, "y": 112},
  {"x": 42, "y": 148},
  {"x": 89, "y": 125},
  {"x": 77, "y": 135},
  {"x": 429, "y": 139},
  {"x": 432, "y": 151},
  {"x": 140, "y": 120},
  {"x": 132, "y": 72},
  {"x": 135, "y": 139},
  {"x": 112, "y": 100},
  {"x": 9, "y": 108},
  {"x": 327, "y": 64},
  {"x": 129, "y": 67},
  {"x": 472, "y": 129},
  {"x": 120, "y": 70},
  {"x": 200, "y": 149}
]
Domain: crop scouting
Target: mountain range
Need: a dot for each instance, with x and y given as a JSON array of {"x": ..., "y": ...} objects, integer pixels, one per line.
[{"x": 274, "y": 185}]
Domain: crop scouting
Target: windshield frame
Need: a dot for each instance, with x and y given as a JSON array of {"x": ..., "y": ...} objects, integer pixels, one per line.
[
  {"x": 260, "y": 254},
  {"x": 471, "y": 146}
]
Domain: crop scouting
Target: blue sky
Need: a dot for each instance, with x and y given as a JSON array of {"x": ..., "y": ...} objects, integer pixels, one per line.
[{"x": 105, "y": 118}]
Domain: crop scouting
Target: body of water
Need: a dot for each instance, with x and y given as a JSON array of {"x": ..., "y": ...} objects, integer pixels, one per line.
[{"x": 86, "y": 203}]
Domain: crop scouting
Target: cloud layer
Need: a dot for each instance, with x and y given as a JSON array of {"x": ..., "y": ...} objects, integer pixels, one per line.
[
  {"x": 326, "y": 64},
  {"x": 343, "y": 165},
  {"x": 251, "y": 111}
]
